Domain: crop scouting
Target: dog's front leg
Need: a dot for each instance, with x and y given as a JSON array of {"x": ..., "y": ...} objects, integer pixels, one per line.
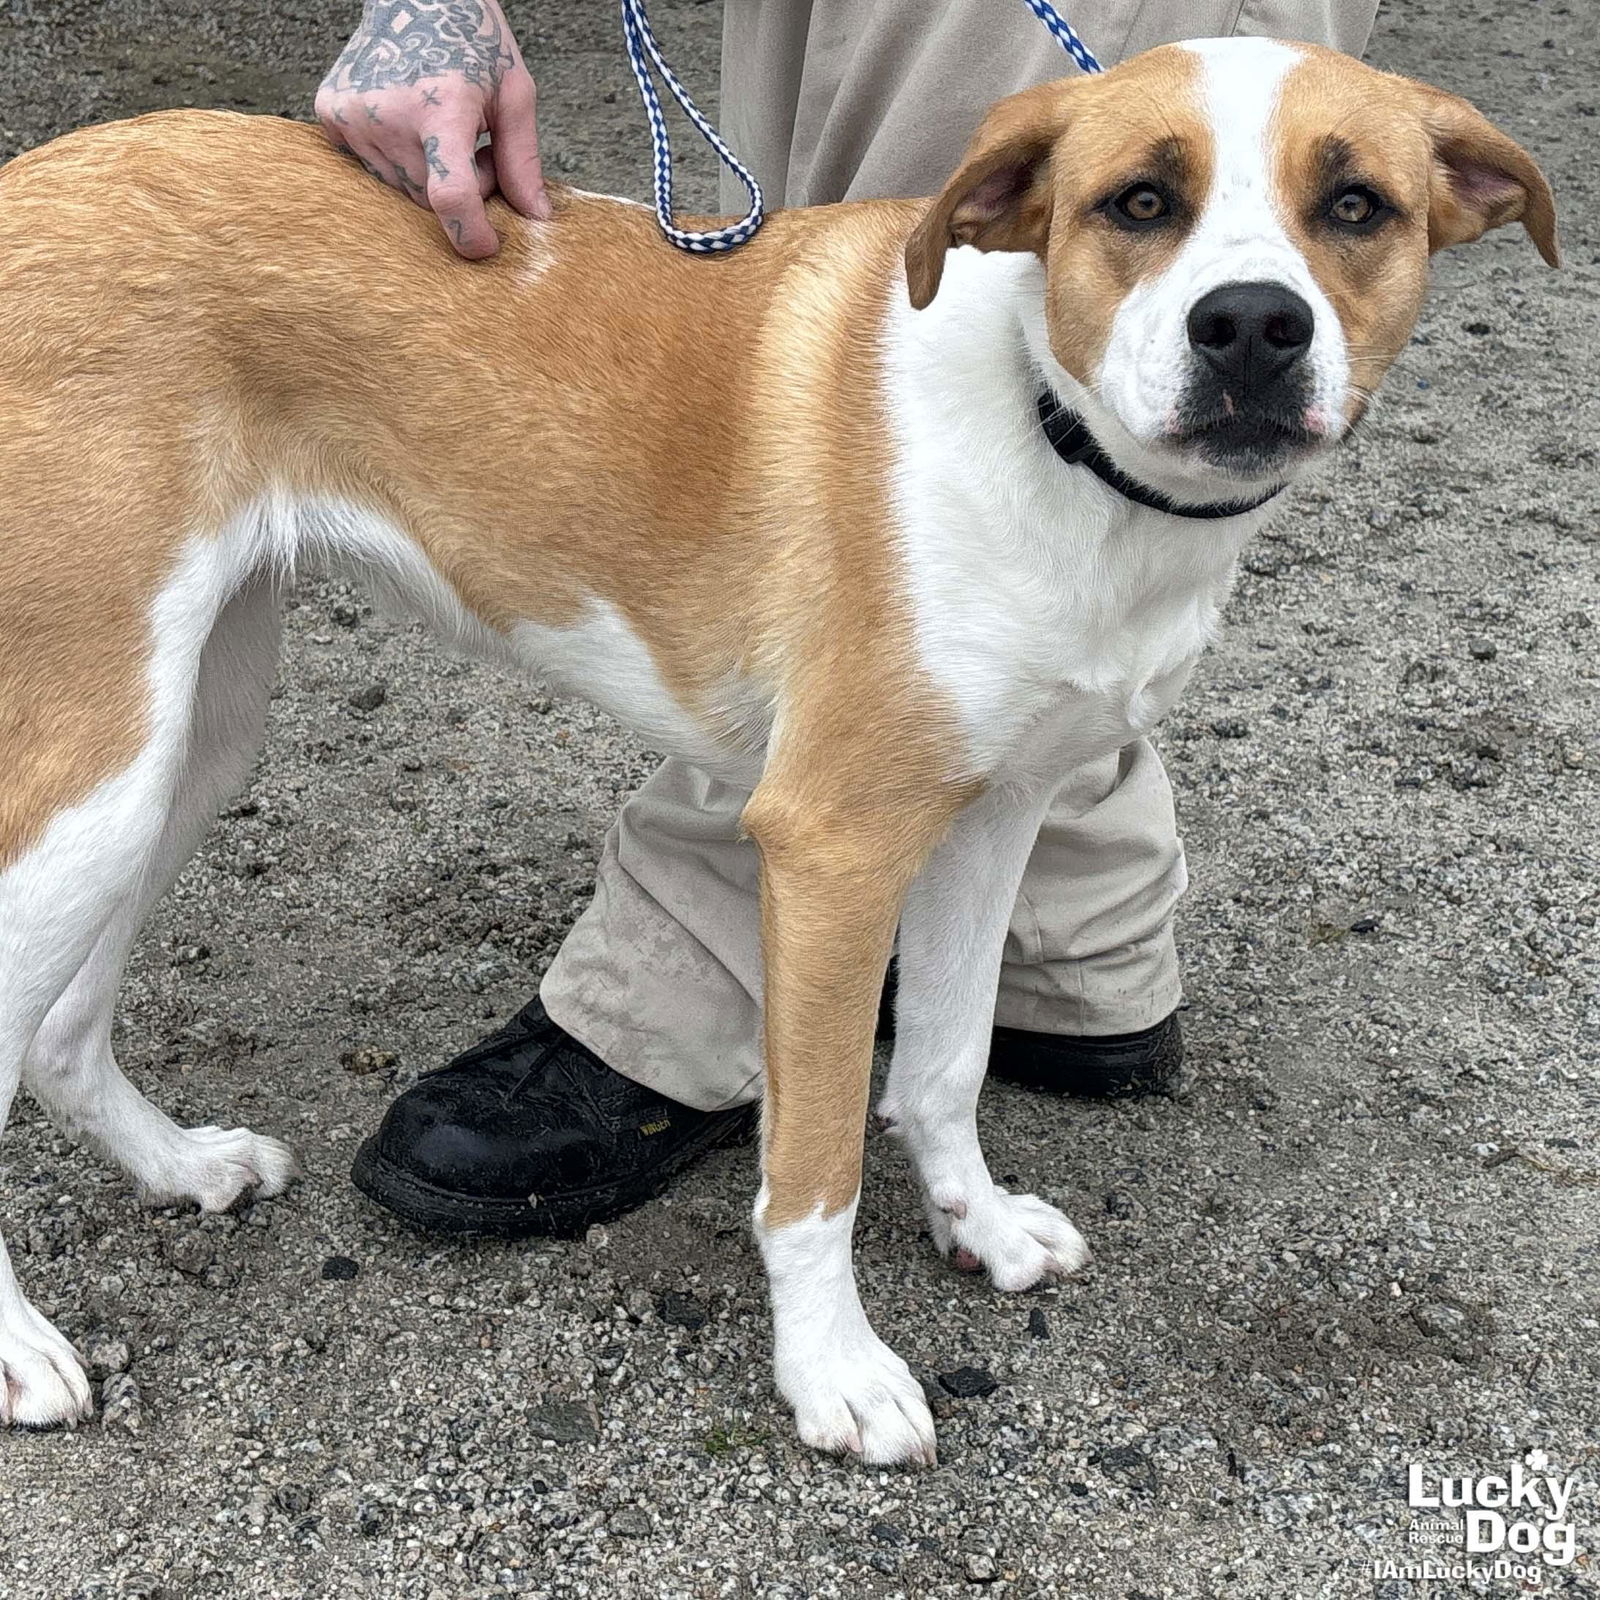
[
  {"x": 833, "y": 880},
  {"x": 951, "y": 937}
]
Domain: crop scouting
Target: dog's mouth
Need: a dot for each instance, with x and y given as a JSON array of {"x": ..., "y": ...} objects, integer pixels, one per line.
[{"x": 1247, "y": 444}]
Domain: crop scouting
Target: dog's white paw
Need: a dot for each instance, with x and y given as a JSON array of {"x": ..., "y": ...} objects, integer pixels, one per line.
[
  {"x": 214, "y": 1167},
  {"x": 1017, "y": 1237},
  {"x": 859, "y": 1397},
  {"x": 42, "y": 1381}
]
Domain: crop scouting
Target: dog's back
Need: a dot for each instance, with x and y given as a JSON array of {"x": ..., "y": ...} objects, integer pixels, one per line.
[{"x": 206, "y": 319}]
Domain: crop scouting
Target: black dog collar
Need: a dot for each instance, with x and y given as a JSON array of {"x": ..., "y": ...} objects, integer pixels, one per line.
[{"x": 1070, "y": 438}]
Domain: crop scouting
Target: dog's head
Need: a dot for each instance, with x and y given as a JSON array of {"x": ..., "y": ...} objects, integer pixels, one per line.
[{"x": 1235, "y": 234}]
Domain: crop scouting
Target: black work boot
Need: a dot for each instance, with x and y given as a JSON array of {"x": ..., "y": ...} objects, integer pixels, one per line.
[
  {"x": 1107, "y": 1066},
  {"x": 1094, "y": 1066},
  {"x": 529, "y": 1132}
]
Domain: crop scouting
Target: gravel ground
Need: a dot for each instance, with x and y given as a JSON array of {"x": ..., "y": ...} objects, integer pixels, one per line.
[{"x": 1364, "y": 1236}]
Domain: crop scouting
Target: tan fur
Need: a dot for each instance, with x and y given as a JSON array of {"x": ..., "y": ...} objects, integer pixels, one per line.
[
  {"x": 1413, "y": 143},
  {"x": 179, "y": 339},
  {"x": 1039, "y": 168}
]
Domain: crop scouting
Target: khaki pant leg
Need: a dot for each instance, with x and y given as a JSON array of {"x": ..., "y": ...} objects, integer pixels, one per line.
[
  {"x": 855, "y": 99},
  {"x": 661, "y": 975},
  {"x": 1090, "y": 948}
]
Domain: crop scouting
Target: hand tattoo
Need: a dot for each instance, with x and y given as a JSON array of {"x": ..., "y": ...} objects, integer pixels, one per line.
[
  {"x": 430, "y": 154},
  {"x": 402, "y": 42}
]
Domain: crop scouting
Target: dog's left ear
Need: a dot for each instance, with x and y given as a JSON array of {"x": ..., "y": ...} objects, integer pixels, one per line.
[
  {"x": 1482, "y": 179},
  {"x": 999, "y": 198}
]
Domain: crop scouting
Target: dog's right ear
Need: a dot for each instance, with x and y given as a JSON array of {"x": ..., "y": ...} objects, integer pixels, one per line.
[{"x": 999, "y": 198}]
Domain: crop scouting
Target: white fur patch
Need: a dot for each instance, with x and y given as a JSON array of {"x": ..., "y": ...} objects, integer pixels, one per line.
[
  {"x": 849, "y": 1390},
  {"x": 598, "y": 658},
  {"x": 603, "y": 660}
]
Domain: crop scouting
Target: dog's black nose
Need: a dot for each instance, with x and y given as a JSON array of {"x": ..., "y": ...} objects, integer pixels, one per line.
[{"x": 1251, "y": 333}]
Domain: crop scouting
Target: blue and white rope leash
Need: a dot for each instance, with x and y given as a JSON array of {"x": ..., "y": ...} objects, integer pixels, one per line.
[
  {"x": 1065, "y": 37},
  {"x": 644, "y": 54}
]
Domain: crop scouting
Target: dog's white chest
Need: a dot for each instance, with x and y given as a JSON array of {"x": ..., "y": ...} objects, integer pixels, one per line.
[
  {"x": 1046, "y": 680},
  {"x": 1059, "y": 619}
]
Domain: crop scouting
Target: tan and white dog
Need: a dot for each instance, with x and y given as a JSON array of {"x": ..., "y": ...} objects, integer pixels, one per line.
[{"x": 785, "y": 518}]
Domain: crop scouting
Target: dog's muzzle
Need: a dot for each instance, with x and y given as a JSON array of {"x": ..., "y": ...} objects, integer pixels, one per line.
[{"x": 1244, "y": 406}]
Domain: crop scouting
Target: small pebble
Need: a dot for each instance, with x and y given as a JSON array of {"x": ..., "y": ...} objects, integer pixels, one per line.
[
  {"x": 1439, "y": 1320},
  {"x": 105, "y": 1355},
  {"x": 191, "y": 1253},
  {"x": 1482, "y": 649},
  {"x": 1130, "y": 1464},
  {"x": 370, "y": 698},
  {"x": 680, "y": 1310},
  {"x": 367, "y": 1058},
  {"x": 564, "y": 1422},
  {"x": 340, "y": 1269},
  {"x": 968, "y": 1383},
  {"x": 120, "y": 1404},
  {"x": 294, "y": 1499}
]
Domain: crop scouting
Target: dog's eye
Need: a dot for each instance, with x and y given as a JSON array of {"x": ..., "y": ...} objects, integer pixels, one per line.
[
  {"x": 1355, "y": 207},
  {"x": 1140, "y": 205}
]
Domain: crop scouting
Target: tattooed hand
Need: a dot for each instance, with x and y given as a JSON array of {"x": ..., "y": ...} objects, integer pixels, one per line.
[{"x": 409, "y": 96}]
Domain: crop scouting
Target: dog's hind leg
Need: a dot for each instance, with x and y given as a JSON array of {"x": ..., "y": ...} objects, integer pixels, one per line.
[
  {"x": 71, "y": 1069},
  {"x": 87, "y": 787},
  {"x": 56, "y": 899}
]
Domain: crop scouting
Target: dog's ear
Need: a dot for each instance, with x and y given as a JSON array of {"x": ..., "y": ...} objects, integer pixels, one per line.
[
  {"x": 1482, "y": 179},
  {"x": 999, "y": 198}
]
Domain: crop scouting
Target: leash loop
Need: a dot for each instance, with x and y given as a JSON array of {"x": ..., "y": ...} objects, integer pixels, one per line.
[{"x": 644, "y": 54}]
